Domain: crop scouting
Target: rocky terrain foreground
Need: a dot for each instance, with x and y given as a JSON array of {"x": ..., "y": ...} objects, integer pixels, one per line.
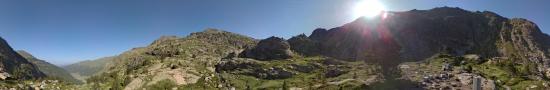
[{"x": 442, "y": 48}]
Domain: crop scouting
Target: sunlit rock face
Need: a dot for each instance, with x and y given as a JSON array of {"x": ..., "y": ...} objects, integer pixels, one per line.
[{"x": 417, "y": 34}]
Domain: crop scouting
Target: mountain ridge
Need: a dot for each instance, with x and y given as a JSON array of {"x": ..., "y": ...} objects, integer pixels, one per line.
[
  {"x": 84, "y": 69},
  {"x": 15, "y": 65},
  {"x": 47, "y": 68},
  {"x": 379, "y": 45},
  {"x": 439, "y": 48}
]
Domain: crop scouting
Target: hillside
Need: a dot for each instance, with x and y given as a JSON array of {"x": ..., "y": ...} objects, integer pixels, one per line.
[
  {"x": 49, "y": 69},
  {"x": 84, "y": 69},
  {"x": 440, "y": 48},
  {"x": 517, "y": 45},
  {"x": 407, "y": 49},
  {"x": 171, "y": 58},
  {"x": 16, "y": 72},
  {"x": 14, "y": 66}
]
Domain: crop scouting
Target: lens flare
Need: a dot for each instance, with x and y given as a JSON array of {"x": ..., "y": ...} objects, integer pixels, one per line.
[{"x": 368, "y": 8}]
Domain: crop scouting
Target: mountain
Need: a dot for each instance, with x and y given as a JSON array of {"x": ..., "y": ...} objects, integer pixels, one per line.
[
  {"x": 21, "y": 71},
  {"x": 84, "y": 69},
  {"x": 49, "y": 69},
  {"x": 14, "y": 66},
  {"x": 518, "y": 47},
  {"x": 440, "y": 48},
  {"x": 171, "y": 58},
  {"x": 418, "y": 34}
]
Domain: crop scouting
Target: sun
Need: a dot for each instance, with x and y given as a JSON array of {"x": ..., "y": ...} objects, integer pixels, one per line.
[{"x": 368, "y": 8}]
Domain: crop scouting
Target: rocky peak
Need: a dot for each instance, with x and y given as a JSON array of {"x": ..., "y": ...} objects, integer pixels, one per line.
[
  {"x": 318, "y": 34},
  {"x": 208, "y": 33},
  {"x": 303, "y": 45},
  {"x": 216, "y": 36},
  {"x": 164, "y": 39},
  {"x": 268, "y": 49},
  {"x": 273, "y": 43},
  {"x": 418, "y": 34},
  {"x": 169, "y": 46}
]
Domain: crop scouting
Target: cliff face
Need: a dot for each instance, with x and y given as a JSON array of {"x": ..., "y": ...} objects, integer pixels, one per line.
[
  {"x": 418, "y": 34},
  {"x": 15, "y": 66}
]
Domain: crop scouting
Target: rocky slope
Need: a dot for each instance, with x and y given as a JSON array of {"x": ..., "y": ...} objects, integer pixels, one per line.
[
  {"x": 14, "y": 66},
  {"x": 217, "y": 59},
  {"x": 417, "y": 35},
  {"x": 18, "y": 73},
  {"x": 440, "y": 48},
  {"x": 171, "y": 59},
  {"x": 49, "y": 69}
]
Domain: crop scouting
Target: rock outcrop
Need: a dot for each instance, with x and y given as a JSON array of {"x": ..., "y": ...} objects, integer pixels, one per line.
[
  {"x": 253, "y": 68},
  {"x": 303, "y": 45},
  {"x": 271, "y": 48}
]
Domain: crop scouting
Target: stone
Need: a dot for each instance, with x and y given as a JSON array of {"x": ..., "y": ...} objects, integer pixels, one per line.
[
  {"x": 4, "y": 75},
  {"x": 303, "y": 68},
  {"x": 335, "y": 72}
]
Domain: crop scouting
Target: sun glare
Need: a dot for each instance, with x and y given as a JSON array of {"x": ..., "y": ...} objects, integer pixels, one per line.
[{"x": 368, "y": 8}]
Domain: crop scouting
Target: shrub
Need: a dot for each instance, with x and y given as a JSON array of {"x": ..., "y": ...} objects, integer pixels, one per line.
[{"x": 162, "y": 85}]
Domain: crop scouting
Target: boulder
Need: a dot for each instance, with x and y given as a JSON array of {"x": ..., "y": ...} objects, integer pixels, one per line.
[
  {"x": 303, "y": 68},
  {"x": 331, "y": 61},
  {"x": 253, "y": 68},
  {"x": 4, "y": 75},
  {"x": 335, "y": 72},
  {"x": 237, "y": 64},
  {"x": 272, "y": 73}
]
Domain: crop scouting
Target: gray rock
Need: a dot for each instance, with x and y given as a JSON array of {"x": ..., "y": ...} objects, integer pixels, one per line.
[{"x": 272, "y": 48}]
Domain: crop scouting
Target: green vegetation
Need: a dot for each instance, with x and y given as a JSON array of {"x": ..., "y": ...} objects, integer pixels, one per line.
[
  {"x": 354, "y": 78},
  {"x": 510, "y": 74},
  {"x": 163, "y": 85},
  {"x": 506, "y": 72}
]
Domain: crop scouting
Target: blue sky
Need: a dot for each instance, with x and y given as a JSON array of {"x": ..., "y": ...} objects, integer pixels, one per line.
[{"x": 67, "y": 31}]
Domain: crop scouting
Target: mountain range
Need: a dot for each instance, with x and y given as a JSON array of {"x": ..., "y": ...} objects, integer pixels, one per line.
[
  {"x": 440, "y": 48},
  {"x": 48, "y": 69}
]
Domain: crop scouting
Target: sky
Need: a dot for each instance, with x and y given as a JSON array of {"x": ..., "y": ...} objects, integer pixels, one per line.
[{"x": 67, "y": 31}]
